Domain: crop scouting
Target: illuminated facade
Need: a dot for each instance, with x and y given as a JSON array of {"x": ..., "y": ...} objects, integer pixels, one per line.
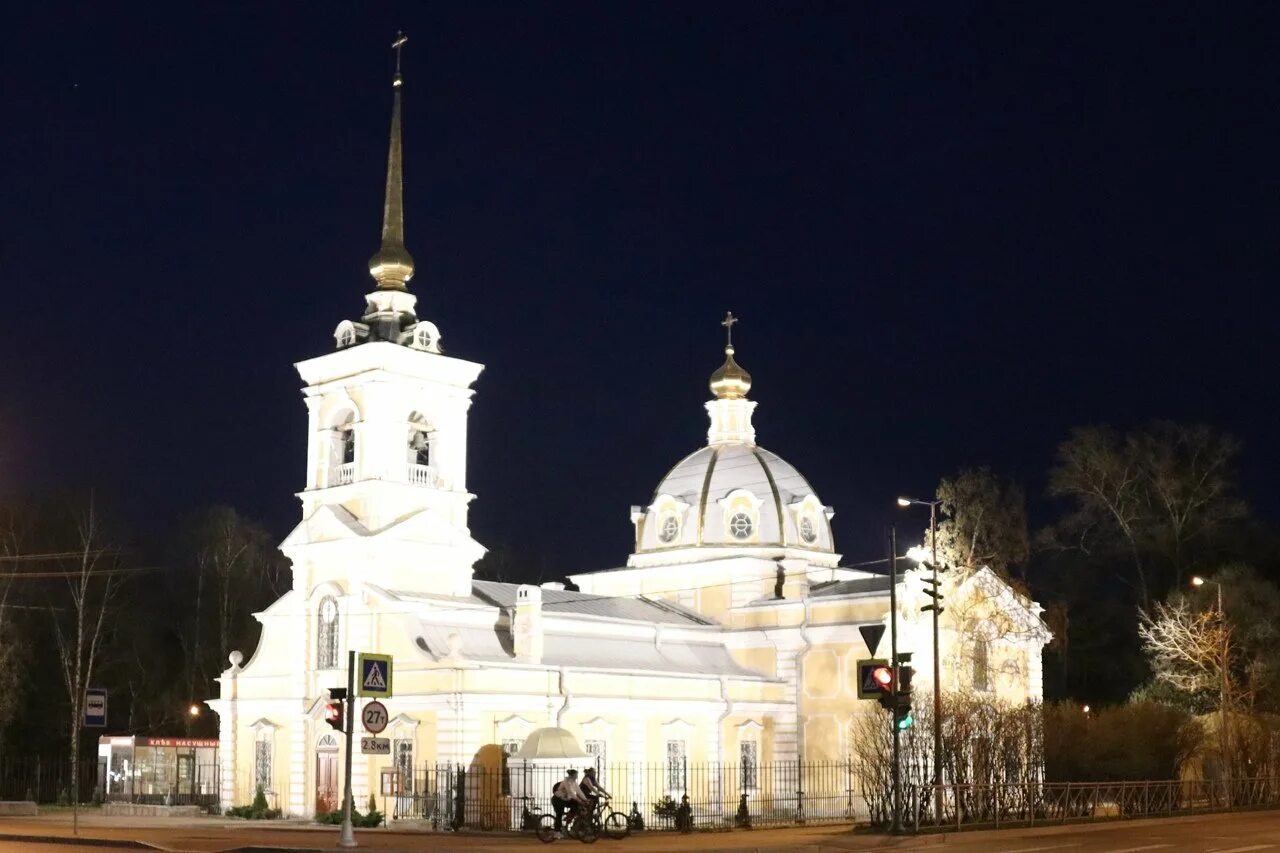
[{"x": 729, "y": 636}]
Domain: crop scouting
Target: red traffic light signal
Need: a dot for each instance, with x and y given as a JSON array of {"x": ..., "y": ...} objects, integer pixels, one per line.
[
  {"x": 333, "y": 715},
  {"x": 883, "y": 677}
]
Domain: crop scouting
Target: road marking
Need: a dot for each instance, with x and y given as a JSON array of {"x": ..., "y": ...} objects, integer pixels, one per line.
[
  {"x": 1244, "y": 849},
  {"x": 1136, "y": 849}
]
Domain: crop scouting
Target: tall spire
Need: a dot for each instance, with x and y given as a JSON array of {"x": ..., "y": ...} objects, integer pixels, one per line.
[{"x": 392, "y": 265}]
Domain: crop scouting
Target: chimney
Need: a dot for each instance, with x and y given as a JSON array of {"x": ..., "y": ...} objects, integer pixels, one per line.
[{"x": 526, "y": 627}]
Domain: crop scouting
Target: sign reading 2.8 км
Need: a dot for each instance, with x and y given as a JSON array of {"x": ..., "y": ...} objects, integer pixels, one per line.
[{"x": 375, "y": 675}]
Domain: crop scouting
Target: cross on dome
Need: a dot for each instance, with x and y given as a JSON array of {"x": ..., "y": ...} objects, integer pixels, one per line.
[
  {"x": 396, "y": 45},
  {"x": 728, "y": 322},
  {"x": 730, "y": 382}
]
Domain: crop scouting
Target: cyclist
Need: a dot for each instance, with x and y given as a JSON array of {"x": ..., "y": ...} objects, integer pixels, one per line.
[
  {"x": 566, "y": 796},
  {"x": 592, "y": 789}
]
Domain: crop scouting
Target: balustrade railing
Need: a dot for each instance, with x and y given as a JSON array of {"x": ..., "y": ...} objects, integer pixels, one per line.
[
  {"x": 341, "y": 475},
  {"x": 423, "y": 475}
]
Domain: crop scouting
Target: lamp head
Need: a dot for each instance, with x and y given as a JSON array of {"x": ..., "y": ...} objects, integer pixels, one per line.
[
  {"x": 194, "y": 710},
  {"x": 904, "y": 501},
  {"x": 1197, "y": 581}
]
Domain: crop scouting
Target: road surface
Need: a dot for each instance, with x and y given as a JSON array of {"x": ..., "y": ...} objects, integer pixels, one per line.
[{"x": 1254, "y": 832}]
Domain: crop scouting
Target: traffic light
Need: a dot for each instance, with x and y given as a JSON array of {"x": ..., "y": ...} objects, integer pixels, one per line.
[
  {"x": 882, "y": 676},
  {"x": 902, "y": 716},
  {"x": 334, "y": 711}
]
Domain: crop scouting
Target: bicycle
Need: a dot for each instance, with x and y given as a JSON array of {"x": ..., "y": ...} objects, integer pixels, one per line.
[
  {"x": 614, "y": 824},
  {"x": 577, "y": 825}
]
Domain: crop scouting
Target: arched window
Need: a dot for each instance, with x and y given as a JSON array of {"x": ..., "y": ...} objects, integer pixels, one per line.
[
  {"x": 345, "y": 334},
  {"x": 327, "y": 634},
  {"x": 421, "y": 436},
  {"x": 981, "y": 665},
  {"x": 342, "y": 439},
  {"x": 741, "y": 526},
  {"x": 263, "y": 753}
]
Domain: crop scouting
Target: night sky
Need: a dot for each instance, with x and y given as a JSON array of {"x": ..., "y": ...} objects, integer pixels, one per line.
[{"x": 951, "y": 234}]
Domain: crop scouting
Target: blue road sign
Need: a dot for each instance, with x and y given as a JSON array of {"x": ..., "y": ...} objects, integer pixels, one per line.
[
  {"x": 95, "y": 708},
  {"x": 375, "y": 675}
]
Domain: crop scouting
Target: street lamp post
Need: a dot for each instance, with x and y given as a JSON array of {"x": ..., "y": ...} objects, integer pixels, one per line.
[
  {"x": 1225, "y": 737},
  {"x": 937, "y": 663}
]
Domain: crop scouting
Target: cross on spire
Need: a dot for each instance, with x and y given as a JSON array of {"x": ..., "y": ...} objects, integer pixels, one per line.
[
  {"x": 728, "y": 322},
  {"x": 396, "y": 45}
]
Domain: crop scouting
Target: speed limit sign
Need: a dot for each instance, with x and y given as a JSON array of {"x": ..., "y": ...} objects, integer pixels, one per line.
[{"x": 374, "y": 717}]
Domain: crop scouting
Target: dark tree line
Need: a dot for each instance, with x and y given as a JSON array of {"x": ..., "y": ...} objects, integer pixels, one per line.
[
  {"x": 1129, "y": 518},
  {"x": 83, "y": 603}
]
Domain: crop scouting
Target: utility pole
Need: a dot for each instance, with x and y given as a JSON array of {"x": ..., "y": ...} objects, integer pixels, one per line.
[
  {"x": 937, "y": 670},
  {"x": 935, "y": 592},
  {"x": 1224, "y": 738},
  {"x": 1222, "y": 700},
  {"x": 893, "y": 665},
  {"x": 348, "y": 836}
]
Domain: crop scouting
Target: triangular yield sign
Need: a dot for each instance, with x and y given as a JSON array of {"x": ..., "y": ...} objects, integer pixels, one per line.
[{"x": 871, "y": 635}]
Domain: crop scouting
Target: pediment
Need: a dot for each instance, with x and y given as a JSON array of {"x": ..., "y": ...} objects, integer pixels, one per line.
[
  {"x": 985, "y": 585},
  {"x": 329, "y": 523},
  {"x": 424, "y": 525}
]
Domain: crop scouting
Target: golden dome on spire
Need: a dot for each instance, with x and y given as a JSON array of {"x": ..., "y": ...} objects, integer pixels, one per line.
[{"x": 730, "y": 382}]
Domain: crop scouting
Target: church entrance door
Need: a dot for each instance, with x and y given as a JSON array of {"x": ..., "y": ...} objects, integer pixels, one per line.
[{"x": 326, "y": 782}]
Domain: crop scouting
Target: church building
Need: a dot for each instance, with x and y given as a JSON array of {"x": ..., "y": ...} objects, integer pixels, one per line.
[{"x": 730, "y": 637}]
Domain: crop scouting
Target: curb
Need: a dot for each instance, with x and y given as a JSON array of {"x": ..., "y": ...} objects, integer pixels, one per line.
[{"x": 81, "y": 841}]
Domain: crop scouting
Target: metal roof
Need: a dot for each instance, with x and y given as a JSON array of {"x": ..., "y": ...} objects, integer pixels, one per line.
[
  {"x": 580, "y": 651},
  {"x": 879, "y": 583},
  {"x": 564, "y": 601}
]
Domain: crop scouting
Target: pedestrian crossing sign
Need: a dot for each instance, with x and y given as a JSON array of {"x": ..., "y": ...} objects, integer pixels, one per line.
[{"x": 375, "y": 675}]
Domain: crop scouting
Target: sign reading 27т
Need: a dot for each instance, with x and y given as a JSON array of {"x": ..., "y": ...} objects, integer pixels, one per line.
[{"x": 375, "y": 675}]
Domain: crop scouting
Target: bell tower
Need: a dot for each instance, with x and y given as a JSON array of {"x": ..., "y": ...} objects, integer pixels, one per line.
[{"x": 385, "y": 500}]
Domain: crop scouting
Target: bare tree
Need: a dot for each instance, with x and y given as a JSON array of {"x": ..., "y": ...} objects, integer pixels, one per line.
[
  {"x": 1190, "y": 483},
  {"x": 984, "y": 522},
  {"x": 92, "y": 577},
  {"x": 1190, "y": 650},
  {"x": 13, "y": 526},
  {"x": 1095, "y": 469},
  {"x": 1157, "y": 491},
  {"x": 236, "y": 569}
]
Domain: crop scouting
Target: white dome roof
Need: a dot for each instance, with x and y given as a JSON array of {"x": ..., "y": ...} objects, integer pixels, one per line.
[
  {"x": 734, "y": 495},
  {"x": 550, "y": 742}
]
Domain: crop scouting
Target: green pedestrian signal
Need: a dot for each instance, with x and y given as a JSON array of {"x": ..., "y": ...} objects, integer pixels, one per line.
[{"x": 903, "y": 719}]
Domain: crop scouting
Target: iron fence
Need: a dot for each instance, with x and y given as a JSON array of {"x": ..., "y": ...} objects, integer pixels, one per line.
[
  {"x": 47, "y": 778},
  {"x": 1060, "y": 802},
  {"x": 656, "y": 796}
]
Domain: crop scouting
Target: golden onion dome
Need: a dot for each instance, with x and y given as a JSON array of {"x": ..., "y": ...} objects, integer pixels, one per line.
[
  {"x": 730, "y": 382},
  {"x": 391, "y": 266}
]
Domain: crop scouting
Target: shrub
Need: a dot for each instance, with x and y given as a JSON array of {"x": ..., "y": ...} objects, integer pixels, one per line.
[
  {"x": 368, "y": 821},
  {"x": 1133, "y": 742},
  {"x": 258, "y": 810}
]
